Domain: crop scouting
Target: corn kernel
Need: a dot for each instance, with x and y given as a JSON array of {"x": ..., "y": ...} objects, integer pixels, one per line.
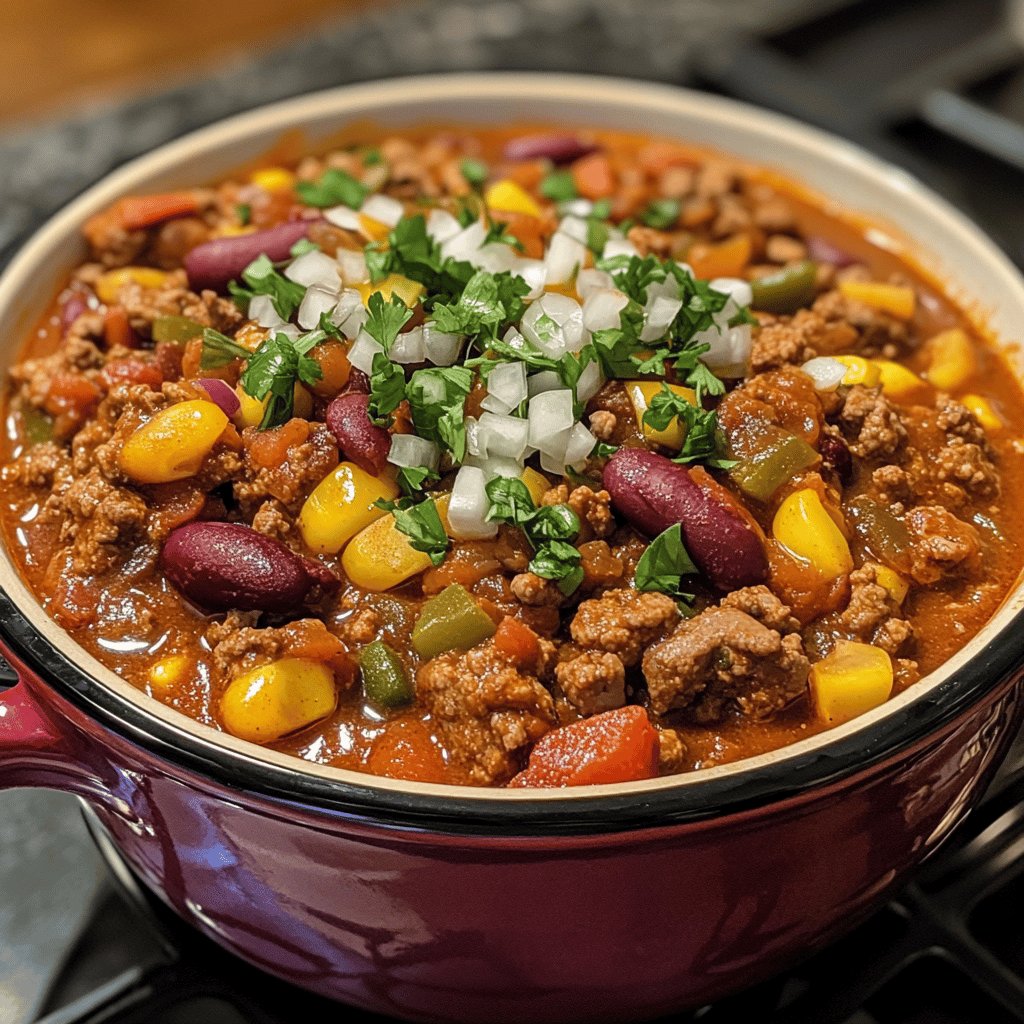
[
  {"x": 898, "y": 300},
  {"x": 984, "y": 412},
  {"x": 853, "y": 679},
  {"x": 380, "y": 556},
  {"x": 641, "y": 394},
  {"x": 276, "y": 699},
  {"x": 168, "y": 672},
  {"x": 953, "y": 360},
  {"x": 859, "y": 371},
  {"x": 394, "y": 284},
  {"x": 507, "y": 196},
  {"x": 273, "y": 179},
  {"x": 173, "y": 444},
  {"x": 536, "y": 483},
  {"x": 804, "y": 527},
  {"x": 341, "y": 505},
  {"x": 893, "y": 582},
  {"x": 108, "y": 285},
  {"x": 899, "y": 382},
  {"x": 233, "y": 230}
]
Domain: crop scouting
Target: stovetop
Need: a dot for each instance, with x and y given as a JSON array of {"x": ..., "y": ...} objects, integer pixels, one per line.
[{"x": 936, "y": 86}]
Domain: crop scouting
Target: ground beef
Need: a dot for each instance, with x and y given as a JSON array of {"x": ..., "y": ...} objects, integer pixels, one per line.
[
  {"x": 41, "y": 466},
  {"x": 733, "y": 656},
  {"x": 360, "y": 628},
  {"x": 871, "y": 424},
  {"x": 650, "y": 241},
  {"x": 966, "y": 459},
  {"x": 942, "y": 543},
  {"x": 623, "y": 622},
  {"x": 273, "y": 520},
  {"x": 593, "y": 681},
  {"x": 603, "y": 424},
  {"x": 892, "y": 484},
  {"x": 174, "y": 298},
  {"x": 792, "y": 340},
  {"x": 872, "y": 616},
  {"x": 535, "y": 591},
  {"x": 110, "y": 243},
  {"x": 486, "y": 709},
  {"x": 238, "y": 646},
  {"x": 876, "y": 333},
  {"x": 594, "y": 509},
  {"x": 33, "y": 377}
]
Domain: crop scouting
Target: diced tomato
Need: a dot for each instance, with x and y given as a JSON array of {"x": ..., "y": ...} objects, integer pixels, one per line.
[
  {"x": 132, "y": 371},
  {"x": 70, "y": 399},
  {"x": 517, "y": 641},
  {"x": 405, "y": 750},
  {"x": 529, "y": 230},
  {"x": 593, "y": 176},
  {"x": 144, "y": 211},
  {"x": 117, "y": 330},
  {"x": 269, "y": 448},
  {"x": 617, "y": 746}
]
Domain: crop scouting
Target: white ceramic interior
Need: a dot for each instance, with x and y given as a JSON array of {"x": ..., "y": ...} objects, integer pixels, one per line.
[{"x": 942, "y": 239}]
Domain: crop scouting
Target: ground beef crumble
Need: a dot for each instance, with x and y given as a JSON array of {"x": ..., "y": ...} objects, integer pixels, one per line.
[{"x": 623, "y": 622}]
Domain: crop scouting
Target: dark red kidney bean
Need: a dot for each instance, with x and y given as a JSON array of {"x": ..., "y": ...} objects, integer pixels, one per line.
[
  {"x": 654, "y": 493},
  {"x": 558, "y": 147},
  {"x": 821, "y": 250},
  {"x": 220, "y": 566},
  {"x": 357, "y": 383},
  {"x": 72, "y": 309},
  {"x": 835, "y": 455},
  {"x": 214, "y": 263},
  {"x": 360, "y": 440}
]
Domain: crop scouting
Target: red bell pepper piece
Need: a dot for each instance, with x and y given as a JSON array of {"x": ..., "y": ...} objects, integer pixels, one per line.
[
  {"x": 145, "y": 211},
  {"x": 617, "y": 746},
  {"x": 517, "y": 641}
]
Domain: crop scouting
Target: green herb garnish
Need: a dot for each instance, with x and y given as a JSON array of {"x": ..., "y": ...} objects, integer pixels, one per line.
[
  {"x": 422, "y": 525},
  {"x": 275, "y": 368},
  {"x": 474, "y": 171},
  {"x": 437, "y": 402},
  {"x": 661, "y": 214},
  {"x": 664, "y": 564},
  {"x": 333, "y": 188},
  {"x": 219, "y": 350},
  {"x": 559, "y": 186},
  {"x": 263, "y": 278}
]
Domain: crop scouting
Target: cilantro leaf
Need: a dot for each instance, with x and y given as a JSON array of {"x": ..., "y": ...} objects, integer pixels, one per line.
[
  {"x": 553, "y": 522},
  {"x": 275, "y": 368},
  {"x": 559, "y": 186},
  {"x": 387, "y": 389},
  {"x": 243, "y": 211},
  {"x": 487, "y": 301},
  {"x": 661, "y": 213},
  {"x": 664, "y": 407},
  {"x": 422, "y": 525},
  {"x": 302, "y": 246},
  {"x": 510, "y": 500},
  {"x": 602, "y": 209},
  {"x": 411, "y": 479},
  {"x": 262, "y": 278},
  {"x": 437, "y": 401},
  {"x": 219, "y": 350},
  {"x": 497, "y": 232},
  {"x": 372, "y": 157},
  {"x": 664, "y": 564},
  {"x": 474, "y": 171},
  {"x": 385, "y": 319},
  {"x": 559, "y": 561},
  {"x": 598, "y": 234},
  {"x": 333, "y": 188}
]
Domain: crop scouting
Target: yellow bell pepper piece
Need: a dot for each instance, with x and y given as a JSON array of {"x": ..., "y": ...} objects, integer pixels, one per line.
[
  {"x": 375, "y": 230},
  {"x": 276, "y": 699},
  {"x": 168, "y": 672},
  {"x": 859, "y": 371},
  {"x": 953, "y": 359},
  {"x": 250, "y": 410},
  {"x": 893, "y": 582},
  {"x": 899, "y": 382},
  {"x": 896, "y": 299},
  {"x": 394, "y": 284},
  {"x": 273, "y": 179},
  {"x": 173, "y": 444},
  {"x": 233, "y": 230},
  {"x": 853, "y": 679},
  {"x": 380, "y": 556},
  {"x": 807, "y": 531},
  {"x": 341, "y": 505},
  {"x": 507, "y": 196},
  {"x": 984, "y": 412},
  {"x": 536, "y": 483},
  {"x": 641, "y": 393},
  {"x": 109, "y": 284}
]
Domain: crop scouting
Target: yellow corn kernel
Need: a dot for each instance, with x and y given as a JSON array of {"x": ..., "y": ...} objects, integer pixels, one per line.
[
  {"x": 853, "y": 679},
  {"x": 341, "y": 505},
  {"x": 641, "y": 393},
  {"x": 507, "y": 196},
  {"x": 168, "y": 672},
  {"x": 109, "y": 284},
  {"x": 232, "y": 230},
  {"x": 984, "y": 412},
  {"x": 173, "y": 444},
  {"x": 859, "y": 371},
  {"x": 375, "y": 230},
  {"x": 273, "y": 179},
  {"x": 899, "y": 382},
  {"x": 897, "y": 299},
  {"x": 250, "y": 410},
  {"x": 380, "y": 556},
  {"x": 952, "y": 359},
  {"x": 536, "y": 483},
  {"x": 276, "y": 699},
  {"x": 394, "y": 284},
  {"x": 893, "y": 582},
  {"x": 803, "y": 526}
]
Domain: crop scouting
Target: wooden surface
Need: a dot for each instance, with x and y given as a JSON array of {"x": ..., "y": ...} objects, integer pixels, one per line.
[{"x": 59, "y": 52}]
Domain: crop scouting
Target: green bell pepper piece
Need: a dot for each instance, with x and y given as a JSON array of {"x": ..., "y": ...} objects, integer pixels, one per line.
[
  {"x": 787, "y": 290},
  {"x": 884, "y": 532},
  {"x": 765, "y": 472},
  {"x": 450, "y": 621},
  {"x": 176, "y": 329},
  {"x": 385, "y": 681},
  {"x": 36, "y": 426}
]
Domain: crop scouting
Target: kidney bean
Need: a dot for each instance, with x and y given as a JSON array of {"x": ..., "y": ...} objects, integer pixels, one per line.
[
  {"x": 214, "y": 263},
  {"x": 72, "y": 309},
  {"x": 220, "y": 566},
  {"x": 357, "y": 383},
  {"x": 821, "y": 250},
  {"x": 558, "y": 147},
  {"x": 654, "y": 493},
  {"x": 359, "y": 439},
  {"x": 835, "y": 455}
]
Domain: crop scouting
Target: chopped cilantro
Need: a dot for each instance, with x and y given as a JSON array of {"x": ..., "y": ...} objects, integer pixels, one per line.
[
  {"x": 437, "y": 401},
  {"x": 487, "y": 302},
  {"x": 602, "y": 209},
  {"x": 333, "y": 188},
  {"x": 474, "y": 171},
  {"x": 559, "y": 186},
  {"x": 422, "y": 525},
  {"x": 664, "y": 564},
  {"x": 412, "y": 253},
  {"x": 553, "y": 522},
  {"x": 661, "y": 214},
  {"x": 603, "y": 450},
  {"x": 703, "y": 440},
  {"x": 275, "y": 368},
  {"x": 510, "y": 501},
  {"x": 219, "y": 350},
  {"x": 385, "y": 319},
  {"x": 262, "y": 278},
  {"x": 411, "y": 479},
  {"x": 243, "y": 211},
  {"x": 302, "y": 246},
  {"x": 598, "y": 234},
  {"x": 496, "y": 232},
  {"x": 387, "y": 389},
  {"x": 372, "y": 157},
  {"x": 559, "y": 561}
]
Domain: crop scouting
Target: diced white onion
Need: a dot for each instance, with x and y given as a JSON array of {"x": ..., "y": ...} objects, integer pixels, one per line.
[
  {"x": 502, "y": 435},
  {"x": 661, "y": 310},
  {"x": 363, "y": 349},
  {"x": 603, "y": 307},
  {"x": 469, "y": 504},
  {"x": 576, "y": 208},
  {"x": 314, "y": 269},
  {"x": 619, "y": 247},
  {"x": 534, "y": 273},
  {"x": 590, "y": 280},
  {"x": 383, "y": 209},
  {"x": 496, "y": 257},
  {"x": 472, "y": 435},
  {"x": 349, "y": 314},
  {"x": 545, "y": 380},
  {"x": 554, "y": 323},
  {"x": 261, "y": 309},
  {"x": 551, "y": 418},
  {"x": 440, "y": 348},
  {"x": 580, "y": 445},
  {"x": 466, "y": 244},
  {"x": 343, "y": 217},
  {"x": 315, "y": 302},
  {"x": 507, "y": 381},
  {"x": 729, "y": 354},
  {"x": 590, "y": 382},
  {"x": 408, "y": 347},
  {"x": 288, "y": 330},
  {"x": 495, "y": 465},
  {"x": 441, "y": 225},
  {"x": 826, "y": 372},
  {"x": 574, "y": 227},
  {"x": 352, "y": 266},
  {"x": 564, "y": 257},
  {"x": 553, "y": 463},
  {"x": 735, "y": 287},
  {"x": 410, "y": 450}
]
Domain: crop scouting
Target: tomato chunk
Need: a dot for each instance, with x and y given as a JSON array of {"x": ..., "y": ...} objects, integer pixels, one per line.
[
  {"x": 517, "y": 641},
  {"x": 404, "y": 750},
  {"x": 617, "y": 746}
]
